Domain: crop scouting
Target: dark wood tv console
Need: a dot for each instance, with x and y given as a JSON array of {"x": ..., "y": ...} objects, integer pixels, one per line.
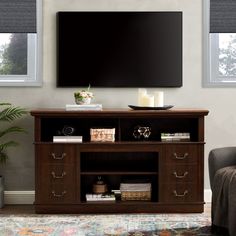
[{"x": 65, "y": 172}]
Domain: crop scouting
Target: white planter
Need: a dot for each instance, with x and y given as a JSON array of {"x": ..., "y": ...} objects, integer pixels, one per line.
[{"x": 84, "y": 101}]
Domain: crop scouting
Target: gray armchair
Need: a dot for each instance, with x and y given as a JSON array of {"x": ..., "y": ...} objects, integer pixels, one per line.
[{"x": 220, "y": 158}]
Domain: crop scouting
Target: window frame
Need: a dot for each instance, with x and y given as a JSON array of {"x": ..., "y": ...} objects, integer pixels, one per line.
[
  {"x": 211, "y": 53},
  {"x": 33, "y": 77}
]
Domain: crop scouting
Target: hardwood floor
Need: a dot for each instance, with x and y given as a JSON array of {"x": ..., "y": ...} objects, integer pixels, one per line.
[
  {"x": 29, "y": 209},
  {"x": 17, "y": 209}
]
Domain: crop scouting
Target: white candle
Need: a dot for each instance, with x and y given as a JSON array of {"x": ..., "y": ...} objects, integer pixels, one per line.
[
  {"x": 159, "y": 99},
  {"x": 147, "y": 101},
  {"x": 141, "y": 93}
]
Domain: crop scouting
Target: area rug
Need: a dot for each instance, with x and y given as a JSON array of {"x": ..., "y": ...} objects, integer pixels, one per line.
[{"x": 105, "y": 225}]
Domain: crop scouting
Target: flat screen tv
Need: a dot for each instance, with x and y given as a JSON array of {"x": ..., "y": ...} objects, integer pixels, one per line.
[{"x": 119, "y": 49}]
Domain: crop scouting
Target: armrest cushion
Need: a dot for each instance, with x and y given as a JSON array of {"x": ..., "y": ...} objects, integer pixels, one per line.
[{"x": 220, "y": 158}]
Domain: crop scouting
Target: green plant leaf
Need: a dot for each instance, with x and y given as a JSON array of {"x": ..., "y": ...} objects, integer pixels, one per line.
[
  {"x": 3, "y": 157},
  {"x": 3, "y": 154},
  {"x": 11, "y": 130},
  {"x": 12, "y": 113},
  {"x": 9, "y": 113},
  {"x": 5, "y": 104},
  {"x": 8, "y": 144}
]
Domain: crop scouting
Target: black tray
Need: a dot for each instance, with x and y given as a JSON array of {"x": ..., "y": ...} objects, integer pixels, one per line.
[{"x": 166, "y": 107}]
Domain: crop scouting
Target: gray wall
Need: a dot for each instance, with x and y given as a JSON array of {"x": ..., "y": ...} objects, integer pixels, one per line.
[{"x": 19, "y": 171}]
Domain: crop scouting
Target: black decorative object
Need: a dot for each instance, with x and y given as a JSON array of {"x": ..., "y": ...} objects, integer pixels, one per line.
[
  {"x": 66, "y": 130},
  {"x": 141, "y": 132}
]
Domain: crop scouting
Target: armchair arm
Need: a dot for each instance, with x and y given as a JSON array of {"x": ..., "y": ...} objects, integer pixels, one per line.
[{"x": 220, "y": 158}]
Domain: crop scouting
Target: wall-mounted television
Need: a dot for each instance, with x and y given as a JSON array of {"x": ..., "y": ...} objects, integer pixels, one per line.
[{"x": 119, "y": 49}]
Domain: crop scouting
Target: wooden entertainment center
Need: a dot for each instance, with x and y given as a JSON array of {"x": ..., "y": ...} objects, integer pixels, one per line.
[{"x": 65, "y": 172}]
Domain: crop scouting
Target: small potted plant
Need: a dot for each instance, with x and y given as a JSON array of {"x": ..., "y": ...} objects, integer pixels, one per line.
[
  {"x": 8, "y": 114},
  {"x": 83, "y": 97}
]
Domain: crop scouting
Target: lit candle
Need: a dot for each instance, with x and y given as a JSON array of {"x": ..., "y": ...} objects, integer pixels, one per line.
[
  {"x": 147, "y": 101},
  {"x": 159, "y": 99},
  {"x": 141, "y": 93}
]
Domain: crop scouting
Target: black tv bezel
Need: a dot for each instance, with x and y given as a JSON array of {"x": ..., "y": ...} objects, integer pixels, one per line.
[{"x": 178, "y": 85}]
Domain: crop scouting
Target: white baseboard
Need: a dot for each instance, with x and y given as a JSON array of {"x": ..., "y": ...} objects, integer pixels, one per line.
[
  {"x": 27, "y": 197},
  {"x": 207, "y": 195},
  {"x": 18, "y": 197}
]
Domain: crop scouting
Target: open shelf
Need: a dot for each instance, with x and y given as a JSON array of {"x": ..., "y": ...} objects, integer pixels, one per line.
[
  {"x": 124, "y": 127},
  {"x": 119, "y": 162},
  {"x": 118, "y": 173},
  {"x": 114, "y": 181}
]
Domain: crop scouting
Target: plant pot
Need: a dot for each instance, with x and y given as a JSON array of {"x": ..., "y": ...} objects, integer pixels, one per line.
[
  {"x": 82, "y": 101},
  {"x": 1, "y": 192}
]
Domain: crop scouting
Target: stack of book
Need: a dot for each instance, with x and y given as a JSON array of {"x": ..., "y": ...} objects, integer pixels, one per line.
[
  {"x": 86, "y": 107},
  {"x": 100, "y": 197},
  {"x": 67, "y": 139},
  {"x": 177, "y": 137}
]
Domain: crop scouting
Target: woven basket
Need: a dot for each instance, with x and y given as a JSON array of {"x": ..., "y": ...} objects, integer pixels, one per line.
[{"x": 136, "y": 195}]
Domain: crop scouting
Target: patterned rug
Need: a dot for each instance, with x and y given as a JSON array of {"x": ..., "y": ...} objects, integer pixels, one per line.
[{"x": 105, "y": 225}]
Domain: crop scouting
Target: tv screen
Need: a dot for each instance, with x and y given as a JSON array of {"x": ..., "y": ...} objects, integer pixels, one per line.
[{"x": 119, "y": 49}]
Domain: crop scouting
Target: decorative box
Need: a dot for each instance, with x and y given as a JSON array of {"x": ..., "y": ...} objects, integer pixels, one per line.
[
  {"x": 102, "y": 135},
  {"x": 135, "y": 191}
]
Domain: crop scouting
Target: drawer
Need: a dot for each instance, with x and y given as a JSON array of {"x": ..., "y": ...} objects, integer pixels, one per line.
[
  {"x": 56, "y": 194},
  {"x": 55, "y": 183},
  {"x": 55, "y": 153},
  {"x": 56, "y": 173},
  {"x": 186, "y": 153},
  {"x": 180, "y": 192},
  {"x": 180, "y": 173}
]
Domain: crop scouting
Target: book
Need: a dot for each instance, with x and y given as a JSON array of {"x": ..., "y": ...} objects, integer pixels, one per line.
[
  {"x": 67, "y": 139},
  {"x": 100, "y": 197},
  {"x": 175, "y": 137},
  {"x": 86, "y": 107}
]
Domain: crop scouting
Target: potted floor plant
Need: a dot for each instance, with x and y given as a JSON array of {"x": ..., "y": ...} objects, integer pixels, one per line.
[{"x": 8, "y": 114}]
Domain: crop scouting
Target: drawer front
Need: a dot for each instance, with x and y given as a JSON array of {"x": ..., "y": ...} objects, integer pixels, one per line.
[
  {"x": 180, "y": 173},
  {"x": 182, "y": 154},
  {"x": 55, "y": 153},
  {"x": 56, "y": 194},
  {"x": 55, "y": 184},
  {"x": 55, "y": 173},
  {"x": 180, "y": 192}
]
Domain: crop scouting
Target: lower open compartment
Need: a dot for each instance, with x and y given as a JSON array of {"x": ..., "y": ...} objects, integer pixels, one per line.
[{"x": 113, "y": 183}]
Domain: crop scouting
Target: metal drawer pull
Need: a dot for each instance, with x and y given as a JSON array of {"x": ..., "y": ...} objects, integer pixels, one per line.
[
  {"x": 180, "y": 176},
  {"x": 58, "y": 176},
  {"x": 58, "y": 157},
  {"x": 58, "y": 195},
  {"x": 180, "y": 157},
  {"x": 180, "y": 195}
]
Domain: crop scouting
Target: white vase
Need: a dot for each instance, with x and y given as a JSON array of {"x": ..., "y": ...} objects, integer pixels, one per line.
[{"x": 83, "y": 101}]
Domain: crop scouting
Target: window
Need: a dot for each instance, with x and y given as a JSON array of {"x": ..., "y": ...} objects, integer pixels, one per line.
[
  {"x": 19, "y": 50},
  {"x": 219, "y": 47}
]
